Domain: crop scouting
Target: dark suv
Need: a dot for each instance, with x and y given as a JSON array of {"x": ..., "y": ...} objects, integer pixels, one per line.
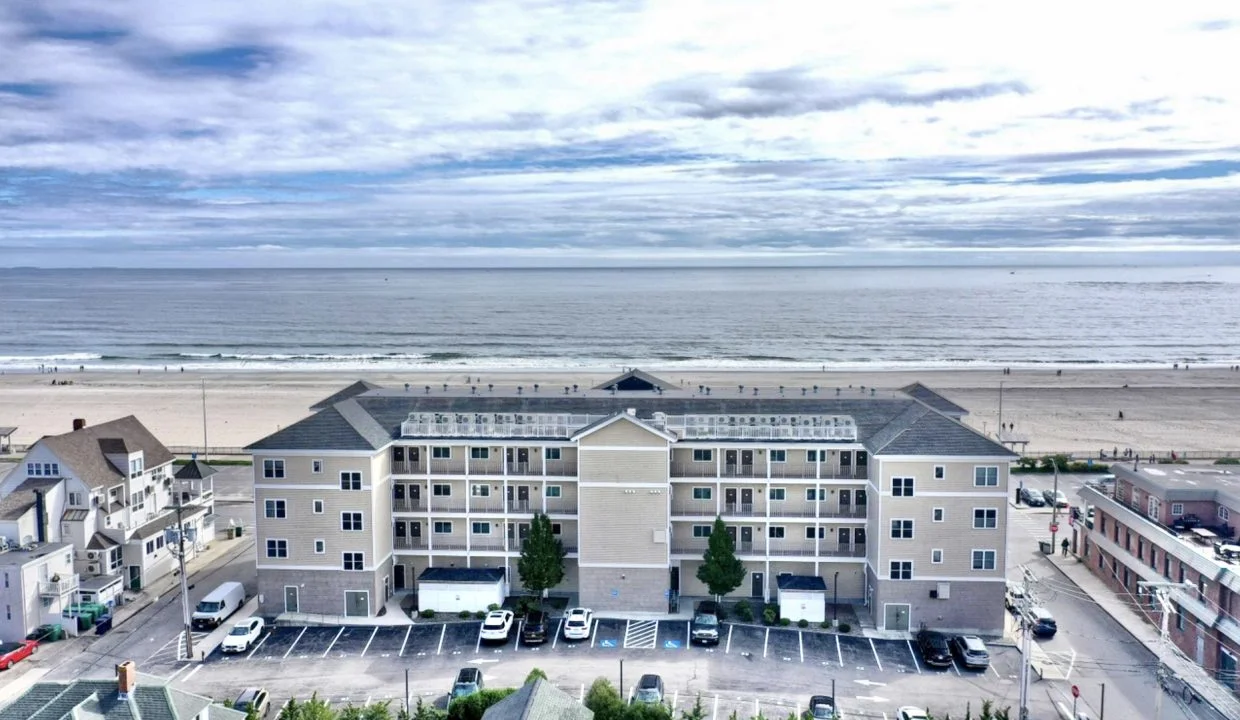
[
  {"x": 935, "y": 651},
  {"x": 705, "y": 626},
  {"x": 534, "y": 629}
]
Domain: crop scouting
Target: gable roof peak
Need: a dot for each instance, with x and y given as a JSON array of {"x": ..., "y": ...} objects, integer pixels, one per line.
[{"x": 635, "y": 380}]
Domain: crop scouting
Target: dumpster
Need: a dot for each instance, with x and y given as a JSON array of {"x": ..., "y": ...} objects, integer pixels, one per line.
[
  {"x": 1045, "y": 547},
  {"x": 104, "y": 625},
  {"x": 47, "y": 633}
]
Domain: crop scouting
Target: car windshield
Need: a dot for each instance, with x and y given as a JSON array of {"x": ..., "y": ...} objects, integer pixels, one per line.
[
  {"x": 824, "y": 710},
  {"x": 706, "y": 620},
  {"x": 208, "y": 607},
  {"x": 240, "y": 630},
  {"x": 648, "y": 695},
  {"x": 464, "y": 689}
]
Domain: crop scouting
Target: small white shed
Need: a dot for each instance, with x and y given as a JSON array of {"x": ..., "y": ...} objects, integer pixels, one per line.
[
  {"x": 803, "y": 597},
  {"x": 456, "y": 589}
]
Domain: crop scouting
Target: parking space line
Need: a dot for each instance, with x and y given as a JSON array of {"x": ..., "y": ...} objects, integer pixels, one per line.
[
  {"x": 688, "y": 635},
  {"x": 558, "y": 627},
  {"x": 593, "y": 634},
  {"x": 254, "y": 649},
  {"x": 838, "y": 651},
  {"x": 517, "y": 645},
  {"x": 1071, "y": 664},
  {"x": 801, "y": 645},
  {"x": 478, "y": 642},
  {"x": 444, "y": 630},
  {"x": 290, "y": 647},
  {"x": 714, "y": 713},
  {"x": 404, "y": 642},
  {"x": 992, "y": 669},
  {"x": 910, "y": 652},
  {"x": 875, "y": 651},
  {"x": 728, "y": 649},
  {"x": 675, "y": 698},
  {"x": 765, "y": 639},
  {"x": 368, "y": 642},
  {"x": 329, "y": 647},
  {"x": 191, "y": 673},
  {"x": 956, "y": 667}
]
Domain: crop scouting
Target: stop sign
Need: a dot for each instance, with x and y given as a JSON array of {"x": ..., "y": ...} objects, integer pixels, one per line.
[
  {"x": 1076, "y": 691},
  {"x": 1054, "y": 527}
]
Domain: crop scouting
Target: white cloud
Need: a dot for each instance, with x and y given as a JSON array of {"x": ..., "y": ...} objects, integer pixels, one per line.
[{"x": 708, "y": 126}]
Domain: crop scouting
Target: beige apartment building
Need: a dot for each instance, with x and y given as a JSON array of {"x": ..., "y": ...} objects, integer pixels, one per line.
[{"x": 888, "y": 497}]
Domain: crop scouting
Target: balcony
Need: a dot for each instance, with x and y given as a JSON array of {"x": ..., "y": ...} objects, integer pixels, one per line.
[
  {"x": 778, "y": 471},
  {"x": 408, "y": 467},
  {"x": 777, "y": 549},
  {"x": 409, "y": 543},
  {"x": 447, "y": 504},
  {"x": 408, "y": 505},
  {"x": 58, "y": 587}
]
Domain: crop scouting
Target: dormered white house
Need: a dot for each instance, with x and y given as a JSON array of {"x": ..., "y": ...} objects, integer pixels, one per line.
[{"x": 110, "y": 492}]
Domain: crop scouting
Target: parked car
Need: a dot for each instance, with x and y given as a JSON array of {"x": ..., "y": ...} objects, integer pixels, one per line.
[
  {"x": 468, "y": 682},
  {"x": 910, "y": 712},
  {"x": 534, "y": 629},
  {"x": 822, "y": 707},
  {"x": 1043, "y": 622},
  {"x": 649, "y": 690},
  {"x": 256, "y": 698},
  {"x": 497, "y": 627},
  {"x": 1032, "y": 497},
  {"x": 1014, "y": 598},
  {"x": 12, "y": 652},
  {"x": 243, "y": 635},
  {"x": 935, "y": 651},
  {"x": 1056, "y": 498},
  {"x": 577, "y": 624},
  {"x": 971, "y": 651},
  {"x": 705, "y": 626}
]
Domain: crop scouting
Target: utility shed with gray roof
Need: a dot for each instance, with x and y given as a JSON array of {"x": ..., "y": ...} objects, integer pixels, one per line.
[{"x": 538, "y": 700}]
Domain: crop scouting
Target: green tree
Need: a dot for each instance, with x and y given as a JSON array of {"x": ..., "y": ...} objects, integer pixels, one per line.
[
  {"x": 535, "y": 674},
  {"x": 604, "y": 700},
  {"x": 422, "y": 711},
  {"x": 471, "y": 707},
  {"x": 312, "y": 709},
  {"x": 720, "y": 569},
  {"x": 697, "y": 712},
  {"x": 541, "y": 566},
  {"x": 647, "y": 711},
  {"x": 251, "y": 713}
]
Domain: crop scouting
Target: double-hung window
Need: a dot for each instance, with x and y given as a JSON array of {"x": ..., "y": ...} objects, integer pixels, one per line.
[
  {"x": 351, "y": 521},
  {"x": 983, "y": 559},
  {"x": 985, "y": 518},
  {"x": 275, "y": 509},
  {"x": 902, "y": 487},
  {"x": 350, "y": 481},
  {"x": 354, "y": 561},
  {"x": 986, "y": 476},
  {"x": 902, "y": 529},
  {"x": 273, "y": 469},
  {"x": 277, "y": 548},
  {"x": 900, "y": 570}
]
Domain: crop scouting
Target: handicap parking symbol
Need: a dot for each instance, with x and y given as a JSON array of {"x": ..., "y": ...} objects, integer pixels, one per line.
[
  {"x": 607, "y": 643},
  {"x": 671, "y": 644}
]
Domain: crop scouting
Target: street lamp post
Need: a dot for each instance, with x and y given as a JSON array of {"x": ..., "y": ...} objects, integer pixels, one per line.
[
  {"x": 835, "y": 603},
  {"x": 180, "y": 553}
]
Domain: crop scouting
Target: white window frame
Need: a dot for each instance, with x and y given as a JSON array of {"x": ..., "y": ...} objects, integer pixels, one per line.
[
  {"x": 985, "y": 471},
  {"x": 277, "y": 542},
  {"x": 815, "y": 533},
  {"x": 482, "y": 490},
  {"x": 701, "y": 531},
  {"x": 1223, "y": 513},
  {"x": 1177, "y": 509},
  {"x": 936, "y": 556},
  {"x": 441, "y": 452},
  {"x": 703, "y": 455},
  {"x": 316, "y": 506},
  {"x": 815, "y": 494},
  {"x": 350, "y": 480},
  {"x": 476, "y": 524},
  {"x": 273, "y": 469},
  {"x": 902, "y": 563},
  {"x": 352, "y": 518},
  {"x": 777, "y": 494},
  {"x": 437, "y": 524},
  {"x": 776, "y": 532},
  {"x": 908, "y": 486},
  {"x": 435, "y": 489},
  {"x": 551, "y": 453},
  {"x": 277, "y": 505},
  {"x": 779, "y": 456},
  {"x": 985, "y": 511},
  {"x": 811, "y": 456},
  {"x": 940, "y": 472},
  {"x": 554, "y": 491},
  {"x": 938, "y": 515},
  {"x": 316, "y": 467},
  {"x": 75, "y": 498},
  {"x": 320, "y": 546},
  {"x": 359, "y": 558},
  {"x": 973, "y": 557},
  {"x": 698, "y": 493},
  {"x": 479, "y": 453},
  {"x": 906, "y": 524}
]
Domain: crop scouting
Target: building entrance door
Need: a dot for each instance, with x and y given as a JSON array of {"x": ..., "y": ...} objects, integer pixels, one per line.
[
  {"x": 729, "y": 462},
  {"x": 747, "y": 462},
  {"x": 747, "y": 500},
  {"x": 746, "y": 543},
  {"x": 895, "y": 616},
  {"x": 729, "y": 502},
  {"x": 398, "y": 572},
  {"x": 291, "y": 602},
  {"x": 757, "y": 585}
]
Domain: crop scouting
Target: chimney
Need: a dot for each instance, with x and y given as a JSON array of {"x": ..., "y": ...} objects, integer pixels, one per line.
[
  {"x": 40, "y": 516},
  {"x": 126, "y": 678},
  {"x": 78, "y": 424}
]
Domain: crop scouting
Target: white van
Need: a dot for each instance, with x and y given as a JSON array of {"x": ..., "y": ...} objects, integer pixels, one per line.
[{"x": 220, "y": 603}]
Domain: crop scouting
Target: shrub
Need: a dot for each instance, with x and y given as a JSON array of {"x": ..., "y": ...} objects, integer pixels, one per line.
[
  {"x": 770, "y": 614},
  {"x": 824, "y": 624},
  {"x": 493, "y": 606},
  {"x": 845, "y": 627},
  {"x": 604, "y": 700},
  {"x": 535, "y": 674},
  {"x": 464, "y": 614},
  {"x": 427, "y": 613},
  {"x": 480, "y": 615},
  {"x": 802, "y": 623},
  {"x": 1227, "y": 461},
  {"x": 785, "y": 622},
  {"x": 471, "y": 707},
  {"x": 744, "y": 611}
]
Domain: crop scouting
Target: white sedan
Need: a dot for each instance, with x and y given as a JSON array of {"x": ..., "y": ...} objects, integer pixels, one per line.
[
  {"x": 243, "y": 635},
  {"x": 497, "y": 626},
  {"x": 577, "y": 624},
  {"x": 910, "y": 712}
]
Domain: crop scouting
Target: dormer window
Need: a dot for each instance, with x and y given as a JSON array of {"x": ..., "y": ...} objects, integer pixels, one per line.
[{"x": 135, "y": 466}]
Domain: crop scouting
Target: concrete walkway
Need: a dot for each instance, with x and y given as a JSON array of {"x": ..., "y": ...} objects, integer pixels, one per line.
[{"x": 1224, "y": 701}]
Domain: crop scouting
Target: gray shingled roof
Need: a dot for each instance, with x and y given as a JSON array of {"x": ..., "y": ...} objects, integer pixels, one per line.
[
  {"x": 83, "y": 450},
  {"x": 99, "y": 541},
  {"x": 805, "y": 583},
  {"x": 353, "y": 390},
  {"x": 19, "y": 502},
  {"x": 195, "y": 469},
  {"x": 461, "y": 575},
  {"x": 149, "y": 701},
  {"x": 639, "y": 375},
  {"x": 920, "y": 392},
  {"x": 371, "y": 420},
  {"x": 539, "y": 700}
]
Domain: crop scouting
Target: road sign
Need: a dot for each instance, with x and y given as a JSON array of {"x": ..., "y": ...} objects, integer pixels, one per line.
[
  {"x": 1054, "y": 527},
  {"x": 1076, "y": 691}
]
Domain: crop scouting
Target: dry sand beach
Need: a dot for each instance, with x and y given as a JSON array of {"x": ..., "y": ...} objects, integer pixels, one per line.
[{"x": 1164, "y": 410}]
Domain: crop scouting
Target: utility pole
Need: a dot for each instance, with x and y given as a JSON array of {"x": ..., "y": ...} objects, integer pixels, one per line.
[
  {"x": 1162, "y": 591},
  {"x": 1000, "y": 411},
  {"x": 1026, "y": 645},
  {"x": 189, "y": 633},
  {"x": 1055, "y": 506},
  {"x": 206, "y": 457}
]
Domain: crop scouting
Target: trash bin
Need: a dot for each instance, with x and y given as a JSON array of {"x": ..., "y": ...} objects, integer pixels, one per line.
[
  {"x": 1045, "y": 547},
  {"x": 239, "y": 530},
  {"x": 104, "y": 625}
]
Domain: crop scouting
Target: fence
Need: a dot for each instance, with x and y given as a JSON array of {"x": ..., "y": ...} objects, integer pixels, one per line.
[{"x": 1144, "y": 455}]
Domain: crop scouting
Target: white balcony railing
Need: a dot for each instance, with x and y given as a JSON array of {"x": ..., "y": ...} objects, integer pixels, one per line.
[{"x": 59, "y": 587}]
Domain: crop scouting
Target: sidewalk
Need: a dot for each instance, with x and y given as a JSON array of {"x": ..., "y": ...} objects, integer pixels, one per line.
[
  {"x": 171, "y": 583},
  {"x": 1190, "y": 672}
]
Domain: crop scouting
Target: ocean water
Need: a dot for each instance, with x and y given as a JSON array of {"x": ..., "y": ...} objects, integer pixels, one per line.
[{"x": 846, "y": 318}]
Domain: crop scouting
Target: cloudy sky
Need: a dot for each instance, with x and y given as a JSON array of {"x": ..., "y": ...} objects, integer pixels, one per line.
[{"x": 464, "y": 133}]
